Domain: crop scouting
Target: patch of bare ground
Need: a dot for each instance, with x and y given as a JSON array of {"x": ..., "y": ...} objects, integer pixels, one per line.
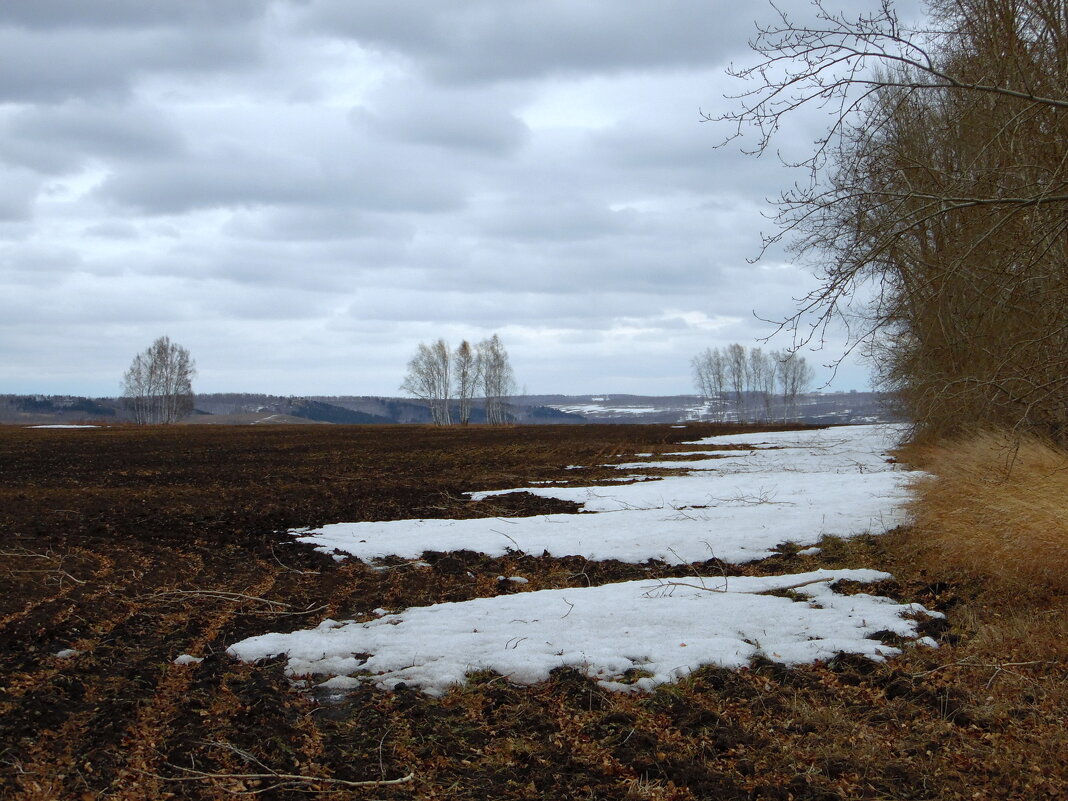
[{"x": 132, "y": 547}]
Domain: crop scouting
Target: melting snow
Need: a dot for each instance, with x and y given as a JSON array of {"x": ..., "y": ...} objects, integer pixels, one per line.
[
  {"x": 755, "y": 501},
  {"x": 789, "y": 486},
  {"x": 663, "y": 630}
]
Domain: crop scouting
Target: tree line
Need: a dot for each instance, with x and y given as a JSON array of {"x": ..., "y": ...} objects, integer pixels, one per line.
[
  {"x": 942, "y": 184},
  {"x": 440, "y": 376},
  {"x": 754, "y": 380},
  {"x": 158, "y": 386}
]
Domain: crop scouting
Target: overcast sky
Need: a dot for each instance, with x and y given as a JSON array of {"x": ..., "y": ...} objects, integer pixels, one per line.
[{"x": 301, "y": 191}]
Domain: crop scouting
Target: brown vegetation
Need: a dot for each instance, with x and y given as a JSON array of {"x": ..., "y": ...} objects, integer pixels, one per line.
[{"x": 995, "y": 509}]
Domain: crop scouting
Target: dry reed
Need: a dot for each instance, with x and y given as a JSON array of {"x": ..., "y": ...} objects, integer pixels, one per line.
[{"x": 995, "y": 507}]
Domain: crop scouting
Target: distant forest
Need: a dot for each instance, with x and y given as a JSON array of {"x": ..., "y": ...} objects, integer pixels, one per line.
[{"x": 261, "y": 409}]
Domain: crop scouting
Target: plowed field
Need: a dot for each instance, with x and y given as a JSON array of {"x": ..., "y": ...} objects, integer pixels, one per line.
[{"x": 130, "y": 547}]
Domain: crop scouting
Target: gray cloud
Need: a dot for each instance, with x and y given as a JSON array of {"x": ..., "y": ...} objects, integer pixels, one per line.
[
  {"x": 63, "y": 14},
  {"x": 68, "y": 63},
  {"x": 568, "y": 219},
  {"x": 57, "y": 139},
  {"x": 245, "y": 178},
  {"x": 488, "y": 41},
  {"x": 481, "y": 122},
  {"x": 113, "y": 229},
  {"x": 18, "y": 189},
  {"x": 303, "y": 224}
]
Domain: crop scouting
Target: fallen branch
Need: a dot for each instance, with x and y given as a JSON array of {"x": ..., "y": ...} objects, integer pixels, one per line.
[
  {"x": 280, "y": 779},
  {"x": 236, "y": 597},
  {"x": 25, "y": 553},
  {"x": 768, "y": 591},
  {"x": 997, "y": 667},
  {"x": 215, "y": 594}
]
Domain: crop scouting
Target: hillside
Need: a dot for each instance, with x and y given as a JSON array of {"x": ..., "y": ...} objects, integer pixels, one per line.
[{"x": 261, "y": 409}]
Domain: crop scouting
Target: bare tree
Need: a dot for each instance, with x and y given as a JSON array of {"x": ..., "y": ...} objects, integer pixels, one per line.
[
  {"x": 710, "y": 379},
  {"x": 762, "y": 382},
  {"x": 428, "y": 379},
  {"x": 467, "y": 373},
  {"x": 942, "y": 182},
  {"x": 498, "y": 380},
  {"x": 795, "y": 379},
  {"x": 737, "y": 373},
  {"x": 158, "y": 387}
]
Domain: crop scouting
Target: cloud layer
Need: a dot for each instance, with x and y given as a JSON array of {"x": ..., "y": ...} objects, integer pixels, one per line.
[{"x": 302, "y": 190}]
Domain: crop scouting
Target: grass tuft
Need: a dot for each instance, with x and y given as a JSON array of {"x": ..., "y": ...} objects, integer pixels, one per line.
[{"x": 995, "y": 508}]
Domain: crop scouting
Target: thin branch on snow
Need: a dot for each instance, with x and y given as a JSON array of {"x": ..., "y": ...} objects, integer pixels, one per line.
[{"x": 768, "y": 591}]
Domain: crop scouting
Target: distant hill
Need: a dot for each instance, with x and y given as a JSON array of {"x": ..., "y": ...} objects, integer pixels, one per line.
[
  {"x": 276, "y": 409},
  {"x": 816, "y": 407},
  {"x": 56, "y": 409},
  {"x": 260, "y": 409}
]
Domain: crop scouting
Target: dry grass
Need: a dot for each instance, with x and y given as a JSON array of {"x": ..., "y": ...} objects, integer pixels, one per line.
[{"x": 995, "y": 509}]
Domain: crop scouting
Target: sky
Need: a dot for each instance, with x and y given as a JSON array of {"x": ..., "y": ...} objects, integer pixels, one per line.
[{"x": 302, "y": 191}]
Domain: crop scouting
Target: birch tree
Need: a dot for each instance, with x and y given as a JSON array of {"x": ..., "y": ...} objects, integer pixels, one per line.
[
  {"x": 429, "y": 379},
  {"x": 498, "y": 380},
  {"x": 710, "y": 379},
  {"x": 761, "y": 381},
  {"x": 795, "y": 378},
  {"x": 467, "y": 373},
  {"x": 737, "y": 373},
  {"x": 158, "y": 386}
]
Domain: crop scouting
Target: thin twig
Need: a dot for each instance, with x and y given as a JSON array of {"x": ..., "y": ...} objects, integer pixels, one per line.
[
  {"x": 381, "y": 743},
  {"x": 511, "y": 539},
  {"x": 54, "y": 570},
  {"x": 414, "y": 563},
  {"x": 292, "y": 569},
  {"x": 307, "y": 611},
  {"x": 217, "y": 594}
]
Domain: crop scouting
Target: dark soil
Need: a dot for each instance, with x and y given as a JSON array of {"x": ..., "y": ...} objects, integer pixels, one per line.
[{"x": 133, "y": 546}]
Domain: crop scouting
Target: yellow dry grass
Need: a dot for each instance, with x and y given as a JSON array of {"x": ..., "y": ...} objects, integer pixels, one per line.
[{"x": 995, "y": 508}]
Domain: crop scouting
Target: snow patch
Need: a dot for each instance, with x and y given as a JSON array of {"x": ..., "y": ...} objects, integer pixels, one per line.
[
  {"x": 57, "y": 425},
  {"x": 663, "y": 629}
]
